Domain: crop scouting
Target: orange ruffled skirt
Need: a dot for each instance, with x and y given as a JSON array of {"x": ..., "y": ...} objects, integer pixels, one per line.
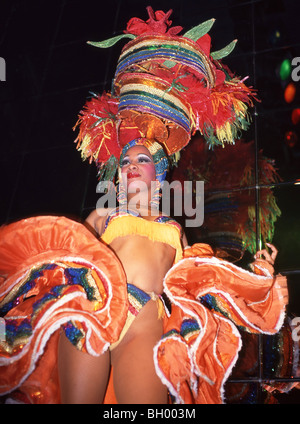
[
  {"x": 212, "y": 301},
  {"x": 56, "y": 275}
]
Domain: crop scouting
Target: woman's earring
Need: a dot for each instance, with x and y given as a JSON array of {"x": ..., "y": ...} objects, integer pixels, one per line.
[
  {"x": 122, "y": 196},
  {"x": 155, "y": 199}
]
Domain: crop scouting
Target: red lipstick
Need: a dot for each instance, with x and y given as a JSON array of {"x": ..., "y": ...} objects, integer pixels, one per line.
[{"x": 132, "y": 175}]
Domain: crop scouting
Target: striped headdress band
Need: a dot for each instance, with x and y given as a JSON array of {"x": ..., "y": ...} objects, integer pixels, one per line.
[{"x": 163, "y": 48}]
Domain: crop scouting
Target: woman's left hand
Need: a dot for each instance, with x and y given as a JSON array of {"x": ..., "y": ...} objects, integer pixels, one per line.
[
  {"x": 269, "y": 257},
  {"x": 281, "y": 282}
]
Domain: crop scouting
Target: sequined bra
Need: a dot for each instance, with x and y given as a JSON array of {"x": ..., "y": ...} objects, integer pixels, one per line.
[{"x": 120, "y": 223}]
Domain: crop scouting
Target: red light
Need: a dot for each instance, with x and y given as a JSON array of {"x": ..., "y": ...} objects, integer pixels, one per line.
[
  {"x": 291, "y": 138},
  {"x": 296, "y": 116},
  {"x": 290, "y": 92}
]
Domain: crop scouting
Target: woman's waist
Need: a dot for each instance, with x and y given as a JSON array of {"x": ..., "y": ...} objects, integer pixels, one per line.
[
  {"x": 148, "y": 282},
  {"x": 135, "y": 250}
]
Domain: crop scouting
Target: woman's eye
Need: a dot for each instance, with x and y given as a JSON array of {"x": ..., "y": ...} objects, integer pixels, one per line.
[
  {"x": 124, "y": 162},
  {"x": 144, "y": 159}
]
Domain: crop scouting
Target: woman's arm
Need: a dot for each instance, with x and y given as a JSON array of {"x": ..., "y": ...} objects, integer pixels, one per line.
[
  {"x": 184, "y": 240},
  {"x": 95, "y": 222}
]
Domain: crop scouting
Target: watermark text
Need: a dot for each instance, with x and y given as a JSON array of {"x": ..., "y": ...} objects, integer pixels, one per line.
[
  {"x": 295, "y": 329},
  {"x": 177, "y": 199},
  {"x": 2, "y": 69},
  {"x": 295, "y": 75}
]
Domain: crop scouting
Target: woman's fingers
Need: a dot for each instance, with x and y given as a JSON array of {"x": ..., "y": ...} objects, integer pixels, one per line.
[
  {"x": 269, "y": 257},
  {"x": 274, "y": 251}
]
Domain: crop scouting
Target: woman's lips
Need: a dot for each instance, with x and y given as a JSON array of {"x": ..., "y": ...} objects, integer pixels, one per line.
[{"x": 132, "y": 175}]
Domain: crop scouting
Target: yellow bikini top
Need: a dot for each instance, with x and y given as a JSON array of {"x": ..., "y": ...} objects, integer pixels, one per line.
[{"x": 120, "y": 223}]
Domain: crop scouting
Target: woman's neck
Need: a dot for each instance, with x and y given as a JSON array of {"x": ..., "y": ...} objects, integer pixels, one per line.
[{"x": 141, "y": 204}]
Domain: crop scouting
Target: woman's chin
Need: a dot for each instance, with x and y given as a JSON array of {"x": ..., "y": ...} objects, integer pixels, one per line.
[{"x": 135, "y": 185}]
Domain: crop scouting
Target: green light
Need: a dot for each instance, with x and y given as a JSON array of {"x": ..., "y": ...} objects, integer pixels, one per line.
[{"x": 285, "y": 69}]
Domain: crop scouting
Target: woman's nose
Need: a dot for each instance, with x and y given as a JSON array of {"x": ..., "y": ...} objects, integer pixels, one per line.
[{"x": 133, "y": 165}]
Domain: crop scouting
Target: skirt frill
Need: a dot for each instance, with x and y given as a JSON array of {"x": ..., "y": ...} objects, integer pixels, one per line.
[
  {"x": 55, "y": 275},
  {"x": 212, "y": 302}
]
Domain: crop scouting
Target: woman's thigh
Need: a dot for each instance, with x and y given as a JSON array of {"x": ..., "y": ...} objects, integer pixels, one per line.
[
  {"x": 83, "y": 378},
  {"x": 135, "y": 378}
]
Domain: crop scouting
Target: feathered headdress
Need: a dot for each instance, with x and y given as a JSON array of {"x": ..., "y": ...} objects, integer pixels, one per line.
[
  {"x": 166, "y": 87},
  {"x": 229, "y": 207}
]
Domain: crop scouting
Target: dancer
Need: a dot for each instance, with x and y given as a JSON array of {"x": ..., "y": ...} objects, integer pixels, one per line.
[{"x": 147, "y": 244}]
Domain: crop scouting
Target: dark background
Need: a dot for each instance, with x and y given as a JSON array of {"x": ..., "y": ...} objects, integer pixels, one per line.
[{"x": 50, "y": 70}]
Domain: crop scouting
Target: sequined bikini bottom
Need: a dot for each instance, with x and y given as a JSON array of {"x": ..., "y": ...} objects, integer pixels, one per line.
[{"x": 137, "y": 299}]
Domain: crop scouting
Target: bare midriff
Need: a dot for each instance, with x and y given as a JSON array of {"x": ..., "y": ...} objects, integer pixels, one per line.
[{"x": 145, "y": 262}]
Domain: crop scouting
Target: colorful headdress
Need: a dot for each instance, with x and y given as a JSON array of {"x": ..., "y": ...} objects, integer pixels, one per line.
[
  {"x": 166, "y": 87},
  {"x": 230, "y": 223}
]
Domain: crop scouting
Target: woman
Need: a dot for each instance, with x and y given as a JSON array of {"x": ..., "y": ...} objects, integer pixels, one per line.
[{"x": 145, "y": 263}]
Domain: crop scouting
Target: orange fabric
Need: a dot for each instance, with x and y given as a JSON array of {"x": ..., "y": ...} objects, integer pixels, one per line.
[
  {"x": 110, "y": 397},
  {"x": 198, "y": 250},
  {"x": 193, "y": 364},
  {"x": 206, "y": 355},
  {"x": 28, "y": 244}
]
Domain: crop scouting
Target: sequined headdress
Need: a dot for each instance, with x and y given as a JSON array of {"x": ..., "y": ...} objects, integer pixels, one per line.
[{"x": 166, "y": 87}]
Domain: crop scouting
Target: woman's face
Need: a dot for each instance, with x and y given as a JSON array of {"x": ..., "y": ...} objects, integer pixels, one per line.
[{"x": 138, "y": 167}]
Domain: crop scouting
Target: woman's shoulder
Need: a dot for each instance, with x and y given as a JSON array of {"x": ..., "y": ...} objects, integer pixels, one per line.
[
  {"x": 99, "y": 213},
  {"x": 96, "y": 219}
]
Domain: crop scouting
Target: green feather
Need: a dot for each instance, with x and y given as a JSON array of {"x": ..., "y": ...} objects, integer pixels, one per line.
[
  {"x": 110, "y": 41},
  {"x": 107, "y": 171},
  {"x": 199, "y": 30},
  {"x": 224, "y": 52}
]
